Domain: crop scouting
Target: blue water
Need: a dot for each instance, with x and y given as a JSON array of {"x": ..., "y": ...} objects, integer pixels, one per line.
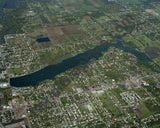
[
  {"x": 43, "y": 40},
  {"x": 51, "y": 71},
  {"x": 11, "y": 4}
]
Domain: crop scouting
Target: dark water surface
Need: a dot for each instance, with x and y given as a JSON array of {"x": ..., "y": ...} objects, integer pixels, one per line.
[
  {"x": 51, "y": 71},
  {"x": 46, "y": 39},
  {"x": 11, "y": 4}
]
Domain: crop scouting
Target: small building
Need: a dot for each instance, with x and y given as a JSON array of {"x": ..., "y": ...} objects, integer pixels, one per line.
[{"x": 3, "y": 85}]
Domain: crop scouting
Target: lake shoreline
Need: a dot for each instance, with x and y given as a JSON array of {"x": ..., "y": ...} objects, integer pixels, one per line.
[{"x": 51, "y": 71}]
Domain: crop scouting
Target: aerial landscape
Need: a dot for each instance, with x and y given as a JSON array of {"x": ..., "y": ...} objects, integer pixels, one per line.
[{"x": 79, "y": 64}]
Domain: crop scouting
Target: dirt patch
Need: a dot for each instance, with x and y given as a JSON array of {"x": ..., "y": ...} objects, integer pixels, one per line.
[
  {"x": 58, "y": 31},
  {"x": 87, "y": 18},
  {"x": 55, "y": 31},
  {"x": 71, "y": 29}
]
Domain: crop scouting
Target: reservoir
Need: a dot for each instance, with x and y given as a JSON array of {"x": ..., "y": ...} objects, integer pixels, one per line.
[
  {"x": 46, "y": 39},
  {"x": 11, "y": 4},
  {"x": 51, "y": 71}
]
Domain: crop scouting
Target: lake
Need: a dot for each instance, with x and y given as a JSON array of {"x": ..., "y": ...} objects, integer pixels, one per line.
[
  {"x": 46, "y": 39},
  {"x": 11, "y": 4},
  {"x": 51, "y": 71}
]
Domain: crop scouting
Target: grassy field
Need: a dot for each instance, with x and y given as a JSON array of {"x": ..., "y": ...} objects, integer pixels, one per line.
[
  {"x": 7, "y": 95},
  {"x": 109, "y": 105},
  {"x": 148, "y": 108}
]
